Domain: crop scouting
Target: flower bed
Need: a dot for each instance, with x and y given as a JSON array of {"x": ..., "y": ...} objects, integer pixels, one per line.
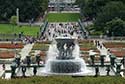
[
  {"x": 45, "y": 42},
  {"x": 84, "y": 49},
  {"x": 42, "y": 53},
  {"x": 116, "y": 48},
  {"x": 118, "y": 53},
  {"x": 7, "y": 54},
  {"x": 11, "y": 46},
  {"x": 114, "y": 45},
  {"x": 85, "y": 41}
]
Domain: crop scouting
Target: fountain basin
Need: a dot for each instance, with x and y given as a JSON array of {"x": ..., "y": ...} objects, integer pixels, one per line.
[
  {"x": 64, "y": 58},
  {"x": 65, "y": 66}
]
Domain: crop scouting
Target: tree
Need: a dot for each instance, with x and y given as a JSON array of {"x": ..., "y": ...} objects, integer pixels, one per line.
[
  {"x": 116, "y": 27},
  {"x": 110, "y": 11},
  {"x": 13, "y": 20},
  {"x": 90, "y": 8},
  {"x": 28, "y": 9}
]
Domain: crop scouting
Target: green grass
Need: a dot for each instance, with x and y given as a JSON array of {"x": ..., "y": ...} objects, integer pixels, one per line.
[
  {"x": 40, "y": 46},
  {"x": 10, "y": 29},
  {"x": 65, "y": 80},
  {"x": 88, "y": 45},
  {"x": 63, "y": 17}
]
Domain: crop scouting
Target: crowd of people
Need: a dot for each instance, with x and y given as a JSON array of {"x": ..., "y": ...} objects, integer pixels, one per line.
[{"x": 57, "y": 29}]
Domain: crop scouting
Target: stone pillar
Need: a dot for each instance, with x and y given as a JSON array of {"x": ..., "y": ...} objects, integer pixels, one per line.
[
  {"x": 96, "y": 71},
  {"x": 108, "y": 70},
  {"x": 28, "y": 60},
  {"x": 34, "y": 70},
  {"x": 23, "y": 71},
  {"x": 38, "y": 59},
  {"x": 118, "y": 68},
  {"x": 13, "y": 69},
  {"x": 102, "y": 60},
  {"x": 123, "y": 61},
  {"x": 17, "y": 14},
  {"x": 17, "y": 59},
  {"x": 92, "y": 57},
  {"x": 112, "y": 59}
]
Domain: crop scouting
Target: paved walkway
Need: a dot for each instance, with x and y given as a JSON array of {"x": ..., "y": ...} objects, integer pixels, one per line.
[
  {"x": 25, "y": 51},
  {"x": 1, "y": 70},
  {"x": 7, "y": 67}
]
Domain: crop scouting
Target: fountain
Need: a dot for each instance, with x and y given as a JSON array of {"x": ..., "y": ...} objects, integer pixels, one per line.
[{"x": 63, "y": 58}]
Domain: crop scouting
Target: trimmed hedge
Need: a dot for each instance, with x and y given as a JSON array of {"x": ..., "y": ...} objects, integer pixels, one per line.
[{"x": 65, "y": 80}]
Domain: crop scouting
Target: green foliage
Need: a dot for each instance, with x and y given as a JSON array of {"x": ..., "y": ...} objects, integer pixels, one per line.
[
  {"x": 109, "y": 12},
  {"x": 92, "y": 30},
  {"x": 115, "y": 27},
  {"x": 63, "y": 17},
  {"x": 40, "y": 46},
  {"x": 88, "y": 45},
  {"x": 90, "y": 8},
  {"x": 13, "y": 20},
  {"x": 101, "y": 12},
  {"x": 65, "y": 80},
  {"x": 28, "y": 9}
]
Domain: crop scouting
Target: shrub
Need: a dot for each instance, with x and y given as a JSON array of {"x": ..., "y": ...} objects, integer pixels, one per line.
[
  {"x": 65, "y": 80},
  {"x": 13, "y": 20}
]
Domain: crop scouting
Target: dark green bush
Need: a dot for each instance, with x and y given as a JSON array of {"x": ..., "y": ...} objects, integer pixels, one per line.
[{"x": 65, "y": 80}]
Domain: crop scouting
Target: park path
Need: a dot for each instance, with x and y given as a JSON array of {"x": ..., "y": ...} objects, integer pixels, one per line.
[
  {"x": 26, "y": 50},
  {"x": 1, "y": 70}
]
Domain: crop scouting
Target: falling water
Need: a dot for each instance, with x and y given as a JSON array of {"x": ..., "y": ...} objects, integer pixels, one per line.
[{"x": 64, "y": 60}]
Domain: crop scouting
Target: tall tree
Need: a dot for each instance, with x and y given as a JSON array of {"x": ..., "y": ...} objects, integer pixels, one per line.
[
  {"x": 90, "y": 8},
  {"x": 115, "y": 27},
  {"x": 28, "y": 9},
  {"x": 110, "y": 11}
]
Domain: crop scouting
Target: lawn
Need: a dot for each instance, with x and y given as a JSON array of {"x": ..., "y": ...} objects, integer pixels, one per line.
[
  {"x": 63, "y": 17},
  {"x": 40, "y": 46},
  {"x": 87, "y": 44},
  {"x": 10, "y": 29},
  {"x": 65, "y": 80}
]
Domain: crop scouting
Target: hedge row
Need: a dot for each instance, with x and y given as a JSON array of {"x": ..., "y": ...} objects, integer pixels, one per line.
[{"x": 65, "y": 80}]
